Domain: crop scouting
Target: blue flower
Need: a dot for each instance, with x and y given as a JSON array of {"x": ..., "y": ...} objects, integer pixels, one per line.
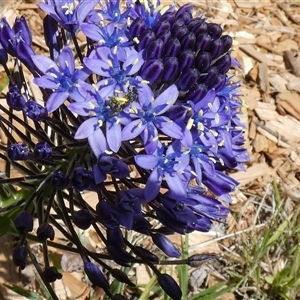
[
  {"x": 170, "y": 166},
  {"x": 116, "y": 66},
  {"x": 149, "y": 115},
  {"x": 66, "y": 13},
  {"x": 61, "y": 78}
]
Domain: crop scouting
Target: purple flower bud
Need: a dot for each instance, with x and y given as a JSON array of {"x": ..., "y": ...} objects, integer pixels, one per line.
[
  {"x": 170, "y": 286},
  {"x": 20, "y": 256},
  {"x": 113, "y": 166},
  {"x": 21, "y": 26},
  {"x": 59, "y": 180},
  {"x": 197, "y": 93},
  {"x": 24, "y": 53},
  {"x": 155, "y": 49},
  {"x": 82, "y": 179},
  {"x": 35, "y": 111},
  {"x": 203, "y": 61},
  {"x": 214, "y": 30},
  {"x": 106, "y": 214},
  {"x": 83, "y": 219},
  {"x": 178, "y": 23},
  {"x": 121, "y": 276},
  {"x": 211, "y": 76},
  {"x": 216, "y": 48},
  {"x": 200, "y": 28},
  {"x": 136, "y": 28},
  {"x": 186, "y": 8},
  {"x": 171, "y": 69},
  {"x": 42, "y": 150},
  {"x": 219, "y": 83},
  {"x": 24, "y": 222},
  {"x": 168, "y": 16},
  {"x": 188, "y": 41},
  {"x": 95, "y": 275},
  {"x": 173, "y": 48},
  {"x": 165, "y": 36},
  {"x": 186, "y": 60},
  {"x": 162, "y": 242},
  {"x": 119, "y": 255},
  {"x": 146, "y": 37},
  {"x": 15, "y": 99},
  {"x": 17, "y": 151},
  {"x": 179, "y": 32},
  {"x": 148, "y": 255},
  {"x": 224, "y": 63},
  {"x": 115, "y": 237},
  {"x": 195, "y": 23},
  {"x": 187, "y": 17},
  {"x": 45, "y": 231},
  {"x": 152, "y": 70},
  {"x": 227, "y": 42},
  {"x": 7, "y": 36},
  {"x": 188, "y": 79},
  {"x": 3, "y": 55},
  {"x": 203, "y": 42},
  {"x": 161, "y": 27},
  {"x": 51, "y": 33},
  {"x": 51, "y": 274}
]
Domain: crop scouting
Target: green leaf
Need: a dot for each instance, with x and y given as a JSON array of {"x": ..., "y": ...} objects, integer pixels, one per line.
[
  {"x": 22, "y": 292},
  {"x": 278, "y": 233},
  {"x": 6, "y": 219},
  {"x": 3, "y": 81},
  {"x": 213, "y": 292}
]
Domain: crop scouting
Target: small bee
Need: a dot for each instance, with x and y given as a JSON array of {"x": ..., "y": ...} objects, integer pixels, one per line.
[{"x": 117, "y": 104}]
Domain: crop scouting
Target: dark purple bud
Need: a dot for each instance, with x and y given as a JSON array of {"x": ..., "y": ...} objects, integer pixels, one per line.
[
  {"x": 203, "y": 42},
  {"x": 113, "y": 166},
  {"x": 187, "y": 17},
  {"x": 197, "y": 260},
  {"x": 161, "y": 26},
  {"x": 165, "y": 36},
  {"x": 195, "y": 23},
  {"x": 15, "y": 99},
  {"x": 219, "y": 83},
  {"x": 199, "y": 29},
  {"x": 24, "y": 222},
  {"x": 118, "y": 297},
  {"x": 196, "y": 93},
  {"x": 45, "y": 231},
  {"x": 186, "y": 60},
  {"x": 42, "y": 150},
  {"x": 186, "y": 8},
  {"x": 121, "y": 276},
  {"x": 180, "y": 32},
  {"x": 20, "y": 257},
  {"x": 59, "y": 180},
  {"x": 3, "y": 55},
  {"x": 7, "y": 36},
  {"x": 17, "y": 151},
  {"x": 173, "y": 48},
  {"x": 211, "y": 76},
  {"x": 227, "y": 42},
  {"x": 163, "y": 243},
  {"x": 148, "y": 255},
  {"x": 21, "y": 26},
  {"x": 106, "y": 214},
  {"x": 51, "y": 32},
  {"x": 216, "y": 48},
  {"x": 24, "y": 53},
  {"x": 146, "y": 37},
  {"x": 141, "y": 225},
  {"x": 214, "y": 30},
  {"x": 188, "y": 41},
  {"x": 95, "y": 275},
  {"x": 155, "y": 49},
  {"x": 178, "y": 23},
  {"x": 220, "y": 183},
  {"x": 115, "y": 237},
  {"x": 152, "y": 70},
  {"x": 188, "y": 79},
  {"x": 169, "y": 285},
  {"x": 51, "y": 274},
  {"x": 119, "y": 255},
  {"x": 203, "y": 61},
  {"x": 171, "y": 69},
  {"x": 82, "y": 179},
  {"x": 136, "y": 28},
  {"x": 35, "y": 111},
  {"x": 224, "y": 63},
  {"x": 83, "y": 219},
  {"x": 168, "y": 16}
]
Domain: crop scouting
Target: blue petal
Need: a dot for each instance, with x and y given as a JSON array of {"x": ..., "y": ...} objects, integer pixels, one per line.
[
  {"x": 175, "y": 184},
  {"x": 146, "y": 161},
  {"x": 80, "y": 108},
  {"x": 92, "y": 31},
  {"x": 166, "y": 99},
  {"x": 46, "y": 81},
  {"x": 97, "y": 66},
  {"x": 43, "y": 63},
  {"x": 169, "y": 127},
  {"x": 55, "y": 100},
  {"x": 153, "y": 185},
  {"x": 113, "y": 135},
  {"x": 87, "y": 128},
  {"x": 98, "y": 142},
  {"x": 66, "y": 62},
  {"x": 132, "y": 130},
  {"x": 83, "y": 9}
]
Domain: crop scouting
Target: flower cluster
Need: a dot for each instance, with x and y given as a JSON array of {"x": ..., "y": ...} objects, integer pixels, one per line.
[{"x": 144, "y": 115}]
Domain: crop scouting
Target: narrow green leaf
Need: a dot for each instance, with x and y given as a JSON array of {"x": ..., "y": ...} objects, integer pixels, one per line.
[{"x": 22, "y": 292}]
